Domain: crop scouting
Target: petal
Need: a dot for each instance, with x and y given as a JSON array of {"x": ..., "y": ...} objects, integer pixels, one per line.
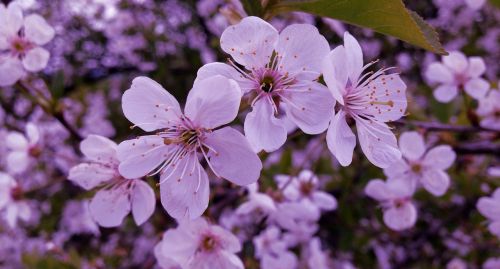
[
  {"x": 234, "y": 159},
  {"x": 310, "y": 110},
  {"x": 142, "y": 155},
  {"x": 36, "y": 59},
  {"x": 262, "y": 129},
  {"x": 184, "y": 189},
  {"x": 110, "y": 206},
  {"x": 11, "y": 70},
  {"x": 494, "y": 228},
  {"x": 456, "y": 61},
  {"x": 378, "y": 190},
  {"x": 17, "y": 161},
  {"x": 300, "y": 49},
  {"x": 412, "y": 145},
  {"x": 340, "y": 139},
  {"x": 489, "y": 208},
  {"x": 324, "y": 200},
  {"x": 33, "y": 133},
  {"x": 250, "y": 42},
  {"x": 387, "y": 96},
  {"x": 440, "y": 157},
  {"x": 400, "y": 187},
  {"x": 149, "y": 106},
  {"x": 398, "y": 169},
  {"x": 378, "y": 143},
  {"x": 11, "y": 19},
  {"x": 334, "y": 74},
  {"x": 445, "y": 93},
  {"x": 401, "y": 218},
  {"x": 476, "y": 67},
  {"x": 99, "y": 149},
  {"x": 16, "y": 141},
  {"x": 435, "y": 181},
  {"x": 213, "y": 102},
  {"x": 214, "y": 69},
  {"x": 90, "y": 175},
  {"x": 477, "y": 88},
  {"x": 143, "y": 201},
  {"x": 354, "y": 57},
  {"x": 37, "y": 30},
  {"x": 438, "y": 72}
]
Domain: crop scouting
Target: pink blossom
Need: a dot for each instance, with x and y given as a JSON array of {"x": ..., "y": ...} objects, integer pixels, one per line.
[
  {"x": 196, "y": 244},
  {"x": 492, "y": 263},
  {"x": 116, "y": 196},
  {"x": 395, "y": 198},
  {"x": 370, "y": 100},
  {"x": 20, "y": 41},
  {"x": 489, "y": 110},
  {"x": 22, "y": 148},
  {"x": 278, "y": 70},
  {"x": 422, "y": 166},
  {"x": 273, "y": 251},
  {"x": 456, "y": 72},
  {"x": 257, "y": 201},
  {"x": 490, "y": 208},
  {"x": 11, "y": 204},
  {"x": 181, "y": 139},
  {"x": 316, "y": 257}
]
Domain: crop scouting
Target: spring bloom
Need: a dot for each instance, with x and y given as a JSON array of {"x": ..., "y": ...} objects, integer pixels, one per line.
[
  {"x": 279, "y": 72},
  {"x": 197, "y": 244},
  {"x": 422, "y": 166},
  {"x": 370, "y": 100},
  {"x": 12, "y": 206},
  {"x": 181, "y": 139},
  {"x": 257, "y": 202},
  {"x": 489, "y": 110},
  {"x": 22, "y": 147},
  {"x": 272, "y": 250},
  {"x": 395, "y": 198},
  {"x": 116, "y": 196},
  {"x": 490, "y": 208},
  {"x": 20, "y": 41},
  {"x": 457, "y": 72}
]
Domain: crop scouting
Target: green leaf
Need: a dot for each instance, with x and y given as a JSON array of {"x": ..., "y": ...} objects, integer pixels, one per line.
[
  {"x": 496, "y": 3},
  {"x": 389, "y": 17},
  {"x": 57, "y": 85}
]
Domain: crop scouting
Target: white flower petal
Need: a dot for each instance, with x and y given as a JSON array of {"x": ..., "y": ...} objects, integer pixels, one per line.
[
  {"x": 435, "y": 181},
  {"x": 378, "y": 143},
  {"x": 412, "y": 145},
  {"x": 110, "y": 206},
  {"x": 334, "y": 74},
  {"x": 340, "y": 139},
  {"x": 99, "y": 149},
  {"x": 401, "y": 218},
  {"x": 477, "y": 88},
  {"x": 143, "y": 201},
  {"x": 438, "y": 72},
  {"x": 445, "y": 93},
  {"x": 36, "y": 59},
  {"x": 11, "y": 70},
  {"x": 91, "y": 175},
  {"x": 37, "y": 30},
  {"x": 440, "y": 157}
]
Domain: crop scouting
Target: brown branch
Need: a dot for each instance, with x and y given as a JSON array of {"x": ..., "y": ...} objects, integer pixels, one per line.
[{"x": 436, "y": 126}]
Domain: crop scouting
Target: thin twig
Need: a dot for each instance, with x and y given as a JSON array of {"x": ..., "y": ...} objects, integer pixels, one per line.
[{"x": 435, "y": 126}]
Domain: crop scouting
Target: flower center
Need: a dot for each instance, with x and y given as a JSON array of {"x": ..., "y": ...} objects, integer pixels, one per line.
[
  {"x": 266, "y": 84},
  {"x": 16, "y": 193},
  {"x": 416, "y": 168},
  {"x": 208, "y": 243},
  {"x": 20, "y": 46},
  {"x": 306, "y": 188}
]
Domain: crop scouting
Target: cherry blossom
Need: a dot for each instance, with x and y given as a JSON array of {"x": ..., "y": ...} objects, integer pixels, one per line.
[
  {"x": 489, "y": 110},
  {"x": 454, "y": 72},
  {"x": 317, "y": 258},
  {"x": 278, "y": 70},
  {"x": 257, "y": 201},
  {"x": 196, "y": 244},
  {"x": 395, "y": 197},
  {"x": 21, "y": 39},
  {"x": 181, "y": 139},
  {"x": 273, "y": 251},
  {"x": 23, "y": 148},
  {"x": 12, "y": 206},
  {"x": 490, "y": 208},
  {"x": 116, "y": 196},
  {"x": 422, "y": 166},
  {"x": 370, "y": 100}
]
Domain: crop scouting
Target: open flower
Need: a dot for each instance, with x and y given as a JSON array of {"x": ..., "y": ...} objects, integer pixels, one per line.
[
  {"x": 182, "y": 138},
  {"x": 370, "y": 100},
  {"x": 117, "y": 196},
  {"x": 278, "y": 70},
  {"x": 22, "y": 148},
  {"x": 489, "y": 110},
  {"x": 198, "y": 245},
  {"x": 272, "y": 250},
  {"x": 395, "y": 198},
  {"x": 419, "y": 166},
  {"x": 490, "y": 208},
  {"x": 20, "y": 41},
  {"x": 12, "y": 205},
  {"x": 456, "y": 72}
]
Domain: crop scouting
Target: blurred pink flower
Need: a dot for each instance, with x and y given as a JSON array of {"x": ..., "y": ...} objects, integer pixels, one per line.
[
  {"x": 489, "y": 110},
  {"x": 278, "y": 69},
  {"x": 22, "y": 148},
  {"x": 272, "y": 250},
  {"x": 422, "y": 166},
  {"x": 395, "y": 197},
  {"x": 20, "y": 41},
  {"x": 196, "y": 244},
  {"x": 117, "y": 196},
  {"x": 370, "y": 99},
  {"x": 181, "y": 139},
  {"x": 490, "y": 208},
  {"x": 457, "y": 71},
  {"x": 12, "y": 207}
]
